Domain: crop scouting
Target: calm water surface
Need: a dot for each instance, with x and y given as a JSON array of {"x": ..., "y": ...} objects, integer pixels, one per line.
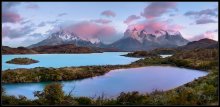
[
  {"x": 67, "y": 60},
  {"x": 143, "y": 79}
]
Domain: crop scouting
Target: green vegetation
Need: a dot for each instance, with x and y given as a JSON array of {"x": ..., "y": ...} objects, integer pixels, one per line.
[
  {"x": 52, "y": 94},
  {"x": 202, "y": 91},
  {"x": 202, "y": 59},
  {"x": 163, "y": 51},
  {"x": 141, "y": 54},
  {"x": 40, "y": 74},
  {"x": 22, "y": 61}
]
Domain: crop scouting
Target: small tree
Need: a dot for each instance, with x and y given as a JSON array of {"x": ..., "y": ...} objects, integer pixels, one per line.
[{"x": 52, "y": 94}]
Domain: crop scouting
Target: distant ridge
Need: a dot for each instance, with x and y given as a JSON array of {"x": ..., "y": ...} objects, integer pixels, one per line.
[
  {"x": 200, "y": 44},
  {"x": 64, "y": 48}
]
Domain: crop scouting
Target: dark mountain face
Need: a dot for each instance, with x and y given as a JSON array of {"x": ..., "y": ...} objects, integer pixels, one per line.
[
  {"x": 172, "y": 39},
  {"x": 213, "y": 46},
  {"x": 134, "y": 40},
  {"x": 200, "y": 44},
  {"x": 126, "y": 44}
]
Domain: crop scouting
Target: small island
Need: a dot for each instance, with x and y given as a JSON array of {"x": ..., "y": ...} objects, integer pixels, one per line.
[{"x": 22, "y": 61}]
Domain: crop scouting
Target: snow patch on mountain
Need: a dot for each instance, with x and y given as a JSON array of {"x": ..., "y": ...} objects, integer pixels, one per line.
[{"x": 95, "y": 41}]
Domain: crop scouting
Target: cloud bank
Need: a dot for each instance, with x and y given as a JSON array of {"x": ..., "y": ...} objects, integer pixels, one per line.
[
  {"x": 157, "y": 9},
  {"x": 108, "y": 13},
  {"x": 208, "y": 34},
  {"x": 102, "y": 21},
  {"x": 131, "y": 18},
  {"x": 9, "y": 15},
  {"x": 203, "y": 16},
  {"x": 87, "y": 30}
]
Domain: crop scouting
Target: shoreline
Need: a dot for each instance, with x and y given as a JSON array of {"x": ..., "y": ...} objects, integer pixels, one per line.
[
  {"x": 39, "y": 74},
  {"x": 94, "y": 69},
  {"x": 63, "y": 53}
]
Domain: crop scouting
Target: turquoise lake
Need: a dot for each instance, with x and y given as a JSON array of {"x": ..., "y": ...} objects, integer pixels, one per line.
[
  {"x": 67, "y": 60},
  {"x": 143, "y": 79}
]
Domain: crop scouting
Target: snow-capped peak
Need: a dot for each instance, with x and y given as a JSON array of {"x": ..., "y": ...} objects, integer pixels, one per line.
[
  {"x": 143, "y": 32},
  {"x": 159, "y": 33},
  {"x": 172, "y": 32},
  {"x": 66, "y": 36},
  {"x": 94, "y": 41}
]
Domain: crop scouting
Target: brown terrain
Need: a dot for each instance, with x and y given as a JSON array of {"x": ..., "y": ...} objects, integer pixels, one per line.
[
  {"x": 200, "y": 44},
  {"x": 19, "y": 50},
  {"x": 67, "y": 48}
]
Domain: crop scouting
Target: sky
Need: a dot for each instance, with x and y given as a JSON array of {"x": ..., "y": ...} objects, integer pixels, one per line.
[{"x": 26, "y": 23}]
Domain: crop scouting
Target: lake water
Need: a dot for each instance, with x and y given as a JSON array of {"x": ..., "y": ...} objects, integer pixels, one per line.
[
  {"x": 67, "y": 60},
  {"x": 164, "y": 56},
  {"x": 143, "y": 79}
]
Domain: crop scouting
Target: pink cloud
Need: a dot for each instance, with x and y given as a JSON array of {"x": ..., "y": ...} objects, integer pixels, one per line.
[
  {"x": 156, "y": 9},
  {"x": 208, "y": 34},
  {"x": 89, "y": 30},
  {"x": 11, "y": 17},
  {"x": 153, "y": 25},
  {"x": 137, "y": 26},
  {"x": 108, "y": 13},
  {"x": 131, "y": 19},
  {"x": 102, "y": 21}
]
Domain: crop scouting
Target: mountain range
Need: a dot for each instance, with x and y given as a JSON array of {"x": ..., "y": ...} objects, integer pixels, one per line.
[
  {"x": 71, "y": 48},
  {"x": 132, "y": 40}
]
